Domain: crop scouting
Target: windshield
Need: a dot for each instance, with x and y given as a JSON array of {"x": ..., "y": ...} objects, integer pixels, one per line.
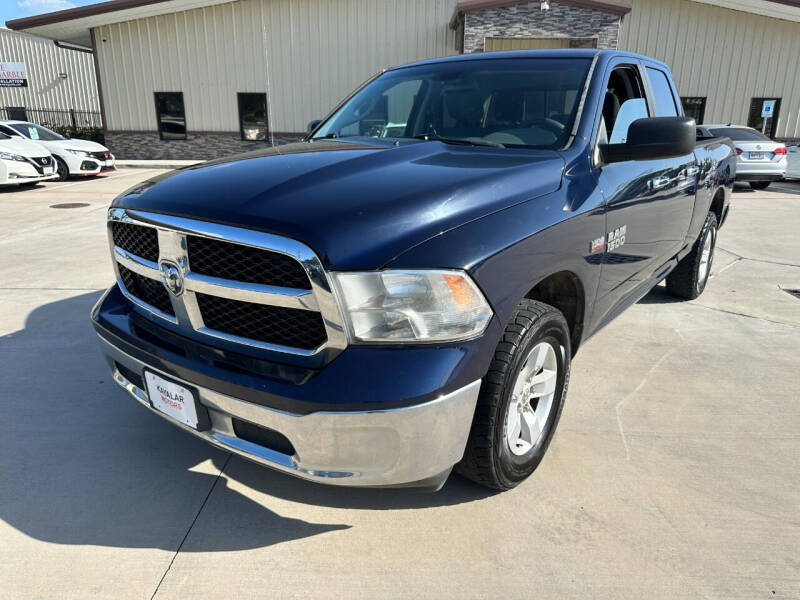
[
  {"x": 36, "y": 132},
  {"x": 740, "y": 134},
  {"x": 513, "y": 102}
]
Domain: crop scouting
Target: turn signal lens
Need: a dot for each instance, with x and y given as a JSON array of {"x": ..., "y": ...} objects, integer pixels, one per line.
[
  {"x": 781, "y": 150},
  {"x": 412, "y": 306}
]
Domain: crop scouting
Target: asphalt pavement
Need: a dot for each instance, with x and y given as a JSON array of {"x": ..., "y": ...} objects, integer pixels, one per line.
[{"x": 674, "y": 471}]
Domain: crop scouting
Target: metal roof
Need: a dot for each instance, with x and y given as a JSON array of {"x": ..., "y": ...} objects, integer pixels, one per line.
[{"x": 74, "y": 24}]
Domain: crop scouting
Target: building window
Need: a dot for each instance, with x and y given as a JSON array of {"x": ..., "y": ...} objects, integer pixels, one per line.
[
  {"x": 16, "y": 113},
  {"x": 253, "y": 116},
  {"x": 755, "y": 121},
  {"x": 695, "y": 107},
  {"x": 170, "y": 115},
  {"x": 662, "y": 93}
]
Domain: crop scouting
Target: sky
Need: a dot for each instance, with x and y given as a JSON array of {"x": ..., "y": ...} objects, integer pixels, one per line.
[{"x": 14, "y": 9}]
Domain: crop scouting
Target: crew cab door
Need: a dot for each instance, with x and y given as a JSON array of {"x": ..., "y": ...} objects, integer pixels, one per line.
[{"x": 649, "y": 203}]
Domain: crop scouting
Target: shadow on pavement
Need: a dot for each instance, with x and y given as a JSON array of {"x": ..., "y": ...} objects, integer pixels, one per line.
[
  {"x": 82, "y": 463},
  {"x": 659, "y": 295}
]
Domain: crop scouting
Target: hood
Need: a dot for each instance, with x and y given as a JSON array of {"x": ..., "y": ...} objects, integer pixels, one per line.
[
  {"x": 357, "y": 205},
  {"x": 76, "y": 144},
  {"x": 23, "y": 147}
]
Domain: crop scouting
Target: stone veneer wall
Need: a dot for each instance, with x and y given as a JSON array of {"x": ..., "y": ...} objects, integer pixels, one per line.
[
  {"x": 528, "y": 20},
  {"x": 148, "y": 146}
]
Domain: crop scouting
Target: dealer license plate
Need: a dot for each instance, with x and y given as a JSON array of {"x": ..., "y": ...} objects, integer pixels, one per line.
[
  {"x": 756, "y": 155},
  {"x": 48, "y": 170},
  {"x": 172, "y": 399}
]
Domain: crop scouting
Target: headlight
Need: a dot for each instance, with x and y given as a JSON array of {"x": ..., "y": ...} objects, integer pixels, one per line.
[
  {"x": 9, "y": 156},
  {"x": 412, "y": 306},
  {"x": 78, "y": 152}
]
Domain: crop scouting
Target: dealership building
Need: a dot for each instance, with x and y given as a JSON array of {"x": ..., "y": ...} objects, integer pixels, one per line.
[{"x": 201, "y": 78}]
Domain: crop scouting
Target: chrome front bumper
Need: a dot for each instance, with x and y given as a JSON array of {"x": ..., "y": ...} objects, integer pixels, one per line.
[{"x": 417, "y": 445}]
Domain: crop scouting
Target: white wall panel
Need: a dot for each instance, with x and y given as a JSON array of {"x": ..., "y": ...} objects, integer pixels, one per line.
[
  {"x": 309, "y": 54},
  {"x": 728, "y": 56},
  {"x": 44, "y": 61}
]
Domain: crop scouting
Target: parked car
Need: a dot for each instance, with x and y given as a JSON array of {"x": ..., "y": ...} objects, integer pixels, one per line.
[
  {"x": 372, "y": 310},
  {"x": 23, "y": 162},
  {"x": 793, "y": 162},
  {"x": 73, "y": 157},
  {"x": 760, "y": 161}
]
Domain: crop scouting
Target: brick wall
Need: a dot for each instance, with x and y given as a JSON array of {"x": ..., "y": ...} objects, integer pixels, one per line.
[
  {"x": 528, "y": 20},
  {"x": 147, "y": 145}
]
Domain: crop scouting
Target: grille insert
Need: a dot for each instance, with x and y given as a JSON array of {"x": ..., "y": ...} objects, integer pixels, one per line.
[
  {"x": 263, "y": 323},
  {"x": 138, "y": 240},
  {"x": 147, "y": 290},
  {"x": 244, "y": 263}
]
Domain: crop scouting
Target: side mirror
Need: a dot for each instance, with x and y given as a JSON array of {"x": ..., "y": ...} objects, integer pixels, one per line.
[
  {"x": 653, "y": 138},
  {"x": 312, "y": 125}
]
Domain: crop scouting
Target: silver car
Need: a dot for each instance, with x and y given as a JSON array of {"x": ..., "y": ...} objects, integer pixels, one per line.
[{"x": 760, "y": 161}]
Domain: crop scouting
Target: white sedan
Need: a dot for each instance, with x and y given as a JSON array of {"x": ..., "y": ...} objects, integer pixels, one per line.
[
  {"x": 73, "y": 156},
  {"x": 23, "y": 162}
]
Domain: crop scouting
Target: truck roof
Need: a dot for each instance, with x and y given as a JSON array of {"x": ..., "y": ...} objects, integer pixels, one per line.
[{"x": 548, "y": 53}]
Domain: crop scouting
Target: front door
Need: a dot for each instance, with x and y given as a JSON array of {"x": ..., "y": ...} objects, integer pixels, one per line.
[{"x": 649, "y": 203}]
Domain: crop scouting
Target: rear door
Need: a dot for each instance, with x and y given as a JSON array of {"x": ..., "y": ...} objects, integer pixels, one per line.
[{"x": 679, "y": 179}]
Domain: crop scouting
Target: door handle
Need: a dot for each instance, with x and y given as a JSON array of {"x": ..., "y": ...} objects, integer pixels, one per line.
[
  {"x": 659, "y": 182},
  {"x": 691, "y": 171}
]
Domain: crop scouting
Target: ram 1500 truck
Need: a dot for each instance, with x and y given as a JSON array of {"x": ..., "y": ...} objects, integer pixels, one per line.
[{"x": 403, "y": 291}]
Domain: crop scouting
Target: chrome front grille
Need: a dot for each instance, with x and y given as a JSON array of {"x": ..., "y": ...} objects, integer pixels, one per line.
[
  {"x": 139, "y": 241},
  {"x": 147, "y": 290},
  {"x": 272, "y": 324},
  {"x": 245, "y": 263},
  {"x": 238, "y": 285}
]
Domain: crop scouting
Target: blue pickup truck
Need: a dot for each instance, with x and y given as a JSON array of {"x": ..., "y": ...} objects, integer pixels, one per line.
[{"x": 402, "y": 292}]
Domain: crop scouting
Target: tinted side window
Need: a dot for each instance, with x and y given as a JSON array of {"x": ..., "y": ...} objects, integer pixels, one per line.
[
  {"x": 624, "y": 103},
  {"x": 665, "y": 101}
]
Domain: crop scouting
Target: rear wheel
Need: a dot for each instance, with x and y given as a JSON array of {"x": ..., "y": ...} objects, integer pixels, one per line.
[
  {"x": 61, "y": 169},
  {"x": 689, "y": 278},
  {"x": 759, "y": 185},
  {"x": 520, "y": 400}
]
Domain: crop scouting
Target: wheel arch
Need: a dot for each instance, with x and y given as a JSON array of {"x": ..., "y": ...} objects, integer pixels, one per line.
[
  {"x": 718, "y": 204},
  {"x": 564, "y": 291}
]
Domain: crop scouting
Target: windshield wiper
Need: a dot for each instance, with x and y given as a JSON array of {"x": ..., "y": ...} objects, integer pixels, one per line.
[{"x": 432, "y": 137}]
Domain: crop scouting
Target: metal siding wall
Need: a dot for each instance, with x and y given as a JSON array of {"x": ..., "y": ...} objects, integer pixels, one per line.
[
  {"x": 44, "y": 61},
  {"x": 316, "y": 52},
  {"x": 726, "y": 55}
]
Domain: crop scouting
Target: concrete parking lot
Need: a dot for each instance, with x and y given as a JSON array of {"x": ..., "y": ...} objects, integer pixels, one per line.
[{"x": 674, "y": 472}]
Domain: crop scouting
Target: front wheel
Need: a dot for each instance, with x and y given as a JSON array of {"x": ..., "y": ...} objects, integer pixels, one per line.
[
  {"x": 521, "y": 398},
  {"x": 759, "y": 185},
  {"x": 689, "y": 278},
  {"x": 61, "y": 169}
]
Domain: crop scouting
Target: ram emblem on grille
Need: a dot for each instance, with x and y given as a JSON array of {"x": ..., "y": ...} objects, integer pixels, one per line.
[{"x": 172, "y": 278}]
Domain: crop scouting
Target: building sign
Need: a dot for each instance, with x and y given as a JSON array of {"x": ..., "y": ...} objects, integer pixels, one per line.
[{"x": 13, "y": 74}]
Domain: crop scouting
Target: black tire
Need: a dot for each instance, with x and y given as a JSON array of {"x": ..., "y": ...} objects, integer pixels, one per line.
[
  {"x": 488, "y": 459},
  {"x": 759, "y": 185},
  {"x": 687, "y": 280},
  {"x": 61, "y": 169}
]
